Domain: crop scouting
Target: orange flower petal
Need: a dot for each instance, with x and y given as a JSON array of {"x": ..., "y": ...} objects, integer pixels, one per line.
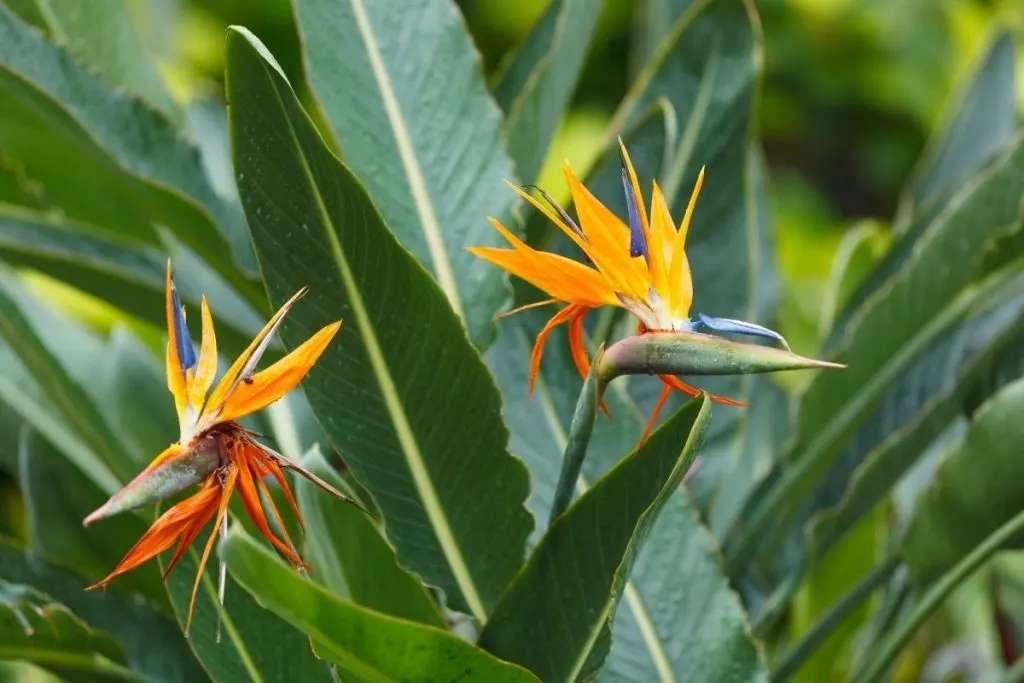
[
  {"x": 225, "y": 489},
  {"x": 579, "y": 351},
  {"x": 207, "y": 367},
  {"x": 244, "y": 365},
  {"x": 562, "y": 278},
  {"x": 562, "y": 316},
  {"x": 186, "y": 518},
  {"x": 269, "y": 385}
]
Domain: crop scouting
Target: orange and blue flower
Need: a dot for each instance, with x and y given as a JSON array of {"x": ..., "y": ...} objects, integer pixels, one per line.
[
  {"x": 213, "y": 450},
  {"x": 641, "y": 267}
]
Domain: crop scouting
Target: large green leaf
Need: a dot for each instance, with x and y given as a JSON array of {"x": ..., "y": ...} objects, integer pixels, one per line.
[
  {"x": 352, "y": 558},
  {"x": 976, "y": 489},
  {"x": 129, "y": 276},
  {"x": 980, "y": 121},
  {"x": 106, "y": 38},
  {"x": 415, "y": 122},
  {"x": 106, "y": 158},
  {"x": 451, "y": 496},
  {"x": 152, "y": 643},
  {"x": 891, "y": 331},
  {"x": 35, "y": 629},
  {"x": 914, "y": 410},
  {"x": 538, "y": 82},
  {"x": 366, "y": 645},
  {"x": 566, "y": 594},
  {"x": 254, "y": 644},
  {"x": 50, "y": 369}
]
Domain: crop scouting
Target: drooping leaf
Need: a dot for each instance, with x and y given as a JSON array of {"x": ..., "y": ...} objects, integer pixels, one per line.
[
  {"x": 976, "y": 489},
  {"x": 48, "y": 368},
  {"x": 414, "y": 121},
  {"x": 152, "y": 643},
  {"x": 35, "y": 629},
  {"x": 538, "y": 82},
  {"x": 131, "y": 170},
  {"x": 981, "y": 120},
  {"x": 352, "y": 558},
  {"x": 105, "y": 38},
  {"x": 565, "y": 596},
  {"x": 366, "y": 645},
  {"x": 888, "y": 335},
  {"x": 313, "y": 224},
  {"x": 913, "y": 412}
]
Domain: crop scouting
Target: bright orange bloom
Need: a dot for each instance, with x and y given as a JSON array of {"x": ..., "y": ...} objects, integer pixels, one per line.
[
  {"x": 641, "y": 267},
  {"x": 212, "y": 448}
]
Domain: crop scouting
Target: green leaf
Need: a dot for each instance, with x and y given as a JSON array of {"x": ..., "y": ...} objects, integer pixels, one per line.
[
  {"x": 414, "y": 121},
  {"x": 106, "y": 38},
  {"x": 366, "y": 645},
  {"x": 351, "y": 557},
  {"x": 696, "y": 629},
  {"x": 255, "y": 644},
  {"x": 981, "y": 119},
  {"x": 859, "y": 251},
  {"x": 912, "y": 413},
  {"x": 50, "y": 370},
  {"x": 889, "y": 334},
  {"x": 537, "y": 84},
  {"x": 981, "y": 122},
  {"x": 126, "y": 275},
  {"x": 152, "y": 643},
  {"x": 708, "y": 67},
  {"x": 58, "y": 497},
  {"x": 591, "y": 549},
  {"x": 976, "y": 489},
  {"x": 373, "y": 389},
  {"x": 35, "y": 629},
  {"x": 131, "y": 171}
]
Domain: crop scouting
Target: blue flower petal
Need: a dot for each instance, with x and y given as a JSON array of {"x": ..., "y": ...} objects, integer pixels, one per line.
[
  {"x": 741, "y": 327},
  {"x": 637, "y": 238},
  {"x": 186, "y": 353}
]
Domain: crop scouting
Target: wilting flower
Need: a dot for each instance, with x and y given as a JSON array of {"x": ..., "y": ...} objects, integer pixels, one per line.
[
  {"x": 213, "y": 450},
  {"x": 641, "y": 267}
]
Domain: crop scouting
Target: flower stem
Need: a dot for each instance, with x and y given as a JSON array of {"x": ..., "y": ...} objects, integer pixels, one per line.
[{"x": 580, "y": 429}]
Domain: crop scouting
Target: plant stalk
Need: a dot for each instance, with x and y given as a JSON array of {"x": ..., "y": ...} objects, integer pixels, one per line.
[
  {"x": 580, "y": 429},
  {"x": 816, "y": 635},
  {"x": 893, "y": 644}
]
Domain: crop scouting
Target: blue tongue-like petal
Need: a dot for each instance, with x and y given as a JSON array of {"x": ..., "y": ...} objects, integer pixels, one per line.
[
  {"x": 637, "y": 238},
  {"x": 741, "y": 327},
  {"x": 186, "y": 353}
]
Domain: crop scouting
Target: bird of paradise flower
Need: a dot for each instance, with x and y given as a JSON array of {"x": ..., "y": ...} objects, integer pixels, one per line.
[
  {"x": 213, "y": 450},
  {"x": 641, "y": 268}
]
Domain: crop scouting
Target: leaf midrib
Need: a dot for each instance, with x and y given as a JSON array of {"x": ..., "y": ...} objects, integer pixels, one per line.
[
  {"x": 389, "y": 392},
  {"x": 406, "y": 152}
]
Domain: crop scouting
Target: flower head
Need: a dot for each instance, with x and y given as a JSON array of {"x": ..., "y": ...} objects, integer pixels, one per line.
[
  {"x": 212, "y": 449},
  {"x": 641, "y": 267}
]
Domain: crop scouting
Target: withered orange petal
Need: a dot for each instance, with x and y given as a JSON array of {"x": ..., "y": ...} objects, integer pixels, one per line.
[
  {"x": 682, "y": 386},
  {"x": 666, "y": 391},
  {"x": 291, "y": 553},
  {"x": 286, "y": 490},
  {"x": 225, "y": 490},
  {"x": 188, "y": 515},
  {"x": 269, "y": 385},
  {"x": 254, "y": 508}
]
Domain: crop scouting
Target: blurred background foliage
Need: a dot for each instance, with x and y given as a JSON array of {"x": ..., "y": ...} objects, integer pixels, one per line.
[{"x": 852, "y": 90}]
